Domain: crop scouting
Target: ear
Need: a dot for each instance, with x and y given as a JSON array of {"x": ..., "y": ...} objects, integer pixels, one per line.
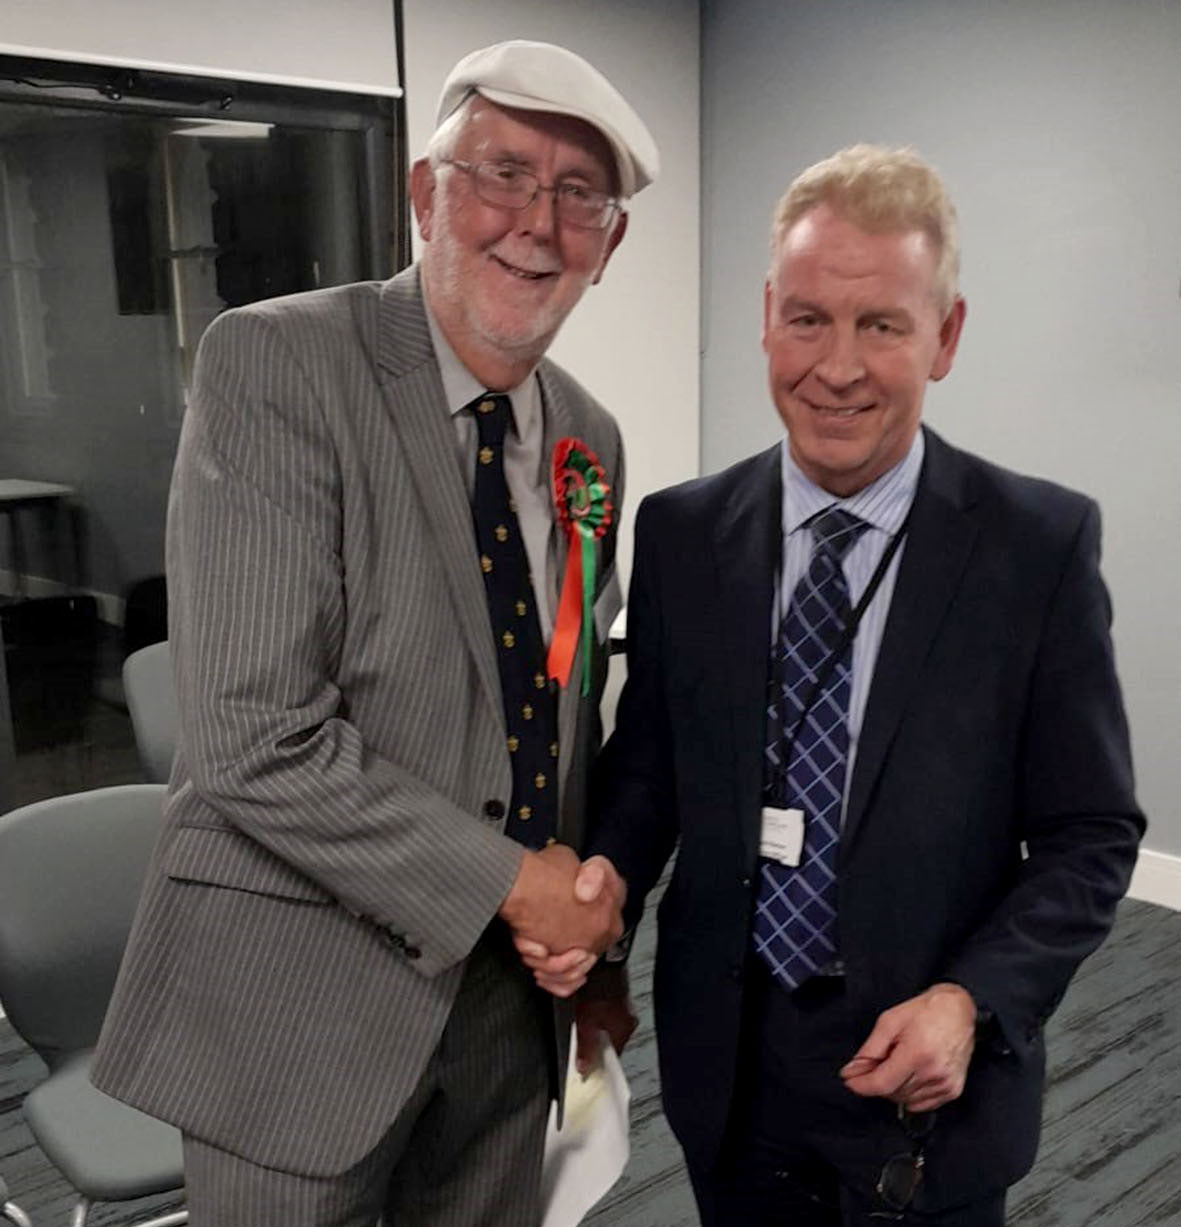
[
  {"x": 949, "y": 339},
  {"x": 422, "y": 195},
  {"x": 768, "y": 296},
  {"x": 613, "y": 241}
]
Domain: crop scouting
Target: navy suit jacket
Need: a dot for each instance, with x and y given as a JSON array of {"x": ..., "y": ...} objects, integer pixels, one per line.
[{"x": 991, "y": 826}]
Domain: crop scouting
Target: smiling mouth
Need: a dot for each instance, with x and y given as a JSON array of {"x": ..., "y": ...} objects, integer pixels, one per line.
[
  {"x": 838, "y": 411},
  {"x": 525, "y": 274}
]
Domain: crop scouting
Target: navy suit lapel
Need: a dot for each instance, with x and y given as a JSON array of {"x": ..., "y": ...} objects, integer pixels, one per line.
[
  {"x": 939, "y": 543},
  {"x": 747, "y": 551},
  {"x": 414, "y": 395}
]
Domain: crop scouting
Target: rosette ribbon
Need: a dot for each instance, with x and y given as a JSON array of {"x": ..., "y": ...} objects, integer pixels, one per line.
[{"x": 584, "y": 512}]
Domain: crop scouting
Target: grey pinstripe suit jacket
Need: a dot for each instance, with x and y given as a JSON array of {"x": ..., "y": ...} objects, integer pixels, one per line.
[{"x": 327, "y": 864}]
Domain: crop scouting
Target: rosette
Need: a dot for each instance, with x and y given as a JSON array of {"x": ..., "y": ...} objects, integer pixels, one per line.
[{"x": 584, "y": 513}]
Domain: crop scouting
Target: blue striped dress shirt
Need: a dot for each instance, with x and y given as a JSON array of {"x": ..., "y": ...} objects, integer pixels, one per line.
[{"x": 883, "y": 505}]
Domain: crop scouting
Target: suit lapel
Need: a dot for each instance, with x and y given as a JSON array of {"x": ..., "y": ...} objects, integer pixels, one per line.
[
  {"x": 939, "y": 543},
  {"x": 414, "y": 396},
  {"x": 559, "y": 422},
  {"x": 746, "y": 557}
]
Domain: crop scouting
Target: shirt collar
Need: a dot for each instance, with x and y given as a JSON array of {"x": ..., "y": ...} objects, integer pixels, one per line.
[
  {"x": 883, "y": 504},
  {"x": 460, "y": 386}
]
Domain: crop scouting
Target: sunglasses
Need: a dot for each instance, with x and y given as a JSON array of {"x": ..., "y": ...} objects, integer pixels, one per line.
[{"x": 902, "y": 1173}]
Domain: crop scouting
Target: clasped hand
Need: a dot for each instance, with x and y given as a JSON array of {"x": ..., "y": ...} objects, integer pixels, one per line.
[{"x": 563, "y": 914}]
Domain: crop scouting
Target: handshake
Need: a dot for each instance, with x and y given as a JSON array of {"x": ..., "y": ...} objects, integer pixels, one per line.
[{"x": 563, "y": 914}]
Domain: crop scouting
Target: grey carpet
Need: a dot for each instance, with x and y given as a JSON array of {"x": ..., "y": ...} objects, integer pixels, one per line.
[
  {"x": 1111, "y": 1145},
  {"x": 1111, "y": 1140}
]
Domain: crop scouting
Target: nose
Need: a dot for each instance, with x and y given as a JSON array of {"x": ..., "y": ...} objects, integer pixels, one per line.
[
  {"x": 538, "y": 218},
  {"x": 841, "y": 365}
]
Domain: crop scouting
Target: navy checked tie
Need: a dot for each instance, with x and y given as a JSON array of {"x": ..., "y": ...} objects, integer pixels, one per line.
[
  {"x": 530, "y": 705},
  {"x": 796, "y": 908}
]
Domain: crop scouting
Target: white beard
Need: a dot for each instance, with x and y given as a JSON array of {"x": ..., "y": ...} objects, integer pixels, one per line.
[{"x": 523, "y": 337}]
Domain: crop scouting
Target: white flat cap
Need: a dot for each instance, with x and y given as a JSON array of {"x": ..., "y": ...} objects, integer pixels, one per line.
[{"x": 543, "y": 77}]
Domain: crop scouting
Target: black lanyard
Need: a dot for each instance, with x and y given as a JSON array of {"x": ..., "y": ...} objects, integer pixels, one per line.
[{"x": 847, "y": 635}]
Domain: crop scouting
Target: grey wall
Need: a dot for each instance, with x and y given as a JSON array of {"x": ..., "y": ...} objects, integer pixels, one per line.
[{"x": 1056, "y": 127}]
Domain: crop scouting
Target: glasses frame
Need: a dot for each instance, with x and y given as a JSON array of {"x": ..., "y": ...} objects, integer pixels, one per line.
[
  {"x": 611, "y": 204},
  {"x": 917, "y": 1126}
]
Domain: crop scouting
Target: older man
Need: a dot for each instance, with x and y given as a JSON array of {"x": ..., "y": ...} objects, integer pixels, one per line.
[
  {"x": 903, "y": 826},
  {"x": 379, "y": 777}
]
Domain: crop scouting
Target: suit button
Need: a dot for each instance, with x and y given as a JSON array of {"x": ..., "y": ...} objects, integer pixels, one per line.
[
  {"x": 493, "y": 809},
  {"x": 744, "y": 883},
  {"x": 736, "y": 973},
  {"x": 413, "y": 952}
]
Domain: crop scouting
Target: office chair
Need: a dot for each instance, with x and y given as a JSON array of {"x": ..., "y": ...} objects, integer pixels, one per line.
[
  {"x": 151, "y": 701},
  {"x": 71, "y": 869}
]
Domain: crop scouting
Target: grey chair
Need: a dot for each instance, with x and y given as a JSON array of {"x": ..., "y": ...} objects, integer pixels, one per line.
[
  {"x": 151, "y": 700},
  {"x": 71, "y": 869}
]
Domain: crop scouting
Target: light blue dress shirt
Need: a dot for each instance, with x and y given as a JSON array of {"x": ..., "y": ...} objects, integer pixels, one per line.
[{"x": 883, "y": 505}]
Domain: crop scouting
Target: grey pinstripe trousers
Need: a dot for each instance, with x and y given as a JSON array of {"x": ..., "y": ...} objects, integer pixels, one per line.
[{"x": 465, "y": 1151}]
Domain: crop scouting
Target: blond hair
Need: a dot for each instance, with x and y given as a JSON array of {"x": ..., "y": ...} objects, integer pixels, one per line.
[{"x": 881, "y": 191}]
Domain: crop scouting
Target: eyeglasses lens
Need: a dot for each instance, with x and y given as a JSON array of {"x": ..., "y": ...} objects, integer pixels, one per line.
[{"x": 900, "y": 1180}]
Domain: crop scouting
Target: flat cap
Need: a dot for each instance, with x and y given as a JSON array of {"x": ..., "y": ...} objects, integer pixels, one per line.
[{"x": 543, "y": 77}]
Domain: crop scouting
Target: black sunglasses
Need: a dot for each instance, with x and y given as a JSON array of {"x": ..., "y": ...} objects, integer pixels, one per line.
[{"x": 902, "y": 1174}]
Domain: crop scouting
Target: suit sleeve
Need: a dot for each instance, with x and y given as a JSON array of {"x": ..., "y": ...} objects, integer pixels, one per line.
[
  {"x": 257, "y": 603},
  {"x": 1078, "y": 817},
  {"x": 633, "y": 814}
]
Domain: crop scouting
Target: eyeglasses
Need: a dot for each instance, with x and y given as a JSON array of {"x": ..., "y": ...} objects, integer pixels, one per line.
[
  {"x": 509, "y": 186},
  {"x": 902, "y": 1174}
]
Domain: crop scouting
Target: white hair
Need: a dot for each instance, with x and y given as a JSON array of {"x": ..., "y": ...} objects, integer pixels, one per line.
[{"x": 446, "y": 136}]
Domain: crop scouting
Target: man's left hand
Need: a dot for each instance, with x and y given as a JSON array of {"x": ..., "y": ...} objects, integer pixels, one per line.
[
  {"x": 918, "y": 1051},
  {"x": 603, "y": 1006},
  {"x": 560, "y": 974}
]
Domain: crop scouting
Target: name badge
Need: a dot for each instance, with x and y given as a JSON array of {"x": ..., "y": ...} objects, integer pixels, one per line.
[{"x": 782, "y": 839}]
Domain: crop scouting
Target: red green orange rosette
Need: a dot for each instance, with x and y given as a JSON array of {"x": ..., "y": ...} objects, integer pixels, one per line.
[{"x": 584, "y": 513}]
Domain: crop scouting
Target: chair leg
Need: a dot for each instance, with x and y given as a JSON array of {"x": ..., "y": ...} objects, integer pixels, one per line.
[
  {"x": 80, "y": 1216},
  {"x": 12, "y": 1213},
  {"x": 175, "y": 1219}
]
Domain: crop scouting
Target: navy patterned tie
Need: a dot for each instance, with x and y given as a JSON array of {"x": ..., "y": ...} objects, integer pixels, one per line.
[
  {"x": 530, "y": 706},
  {"x": 796, "y": 908}
]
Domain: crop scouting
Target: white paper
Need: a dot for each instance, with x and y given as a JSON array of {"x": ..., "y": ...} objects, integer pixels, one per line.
[
  {"x": 782, "y": 838},
  {"x": 588, "y": 1155}
]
